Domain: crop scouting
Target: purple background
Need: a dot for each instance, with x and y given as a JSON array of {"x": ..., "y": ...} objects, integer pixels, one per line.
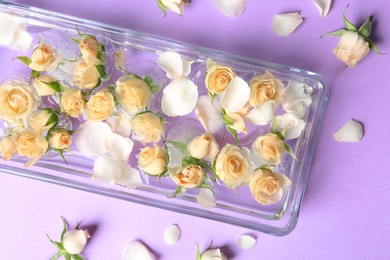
[{"x": 345, "y": 212}]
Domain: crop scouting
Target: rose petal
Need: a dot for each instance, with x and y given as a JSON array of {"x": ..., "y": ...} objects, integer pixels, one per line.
[
  {"x": 293, "y": 124},
  {"x": 206, "y": 199},
  {"x": 294, "y": 99},
  {"x": 107, "y": 169},
  {"x": 120, "y": 59},
  {"x": 323, "y": 6},
  {"x": 352, "y": 131},
  {"x": 137, "y": 251},
  {"x": 174, "y": 65},
  {"x": 118, "y": 146},
  {"x": 285, "y": 24},
  {"x": 129, "y": 177},
  {"x": 172, "y": 234},
  {"x": 246, "y": 242},
  {"x": 90, "y": 138},
  {"x": 179, "y": 98},
  {"x": 231, "y": 8},
  {"x": 238, "y": 122},
  {"x": 209, "y": 114},
  {"x": 262, "y": 114},
  {"x": 236, "y": 95},
  {"x": 120, "y": 125},
  {"x": 13, "y": 32}
]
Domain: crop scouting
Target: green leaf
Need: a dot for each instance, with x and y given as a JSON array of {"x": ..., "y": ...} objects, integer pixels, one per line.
[
  {"x": 77, "y": 257},
  {"x": 373, "y": 47},
  {"x": 56, "y": 256},
  {"x": 111, "y": 89},
  {"x": 290, "y": 151},
  {"x": 163, "y": 174},
  {"x": 102, "y": 53},
  {"x": 365, "y": 29},
  {"x": 61, "y": 153},
  {"x": 67, "y": 256},
  {"x": 348, "y": 24},
  {"x": 179, "y": 146},
  {"x": 35, "y": 74},
  {"x": 64, "y": 228},
  {"x": 234, "y": 134},
  {"x": 162, "y": 7},
  {"x": 274, "y": 126},
  {"x": 53, "y": 120},
  {"x": 92, "y": 89},
  {"x": 101, "y": 70},
  {"x": 26, "y": 60},
  {"x": 149, "y": 81},
  {"x": 226, "y": 119},
  {"x": 55, "y": 85},
  {"x": 178, "y": 191},
  {"x": 76, "y": 40},
  {"x": 337, "y": 33}
]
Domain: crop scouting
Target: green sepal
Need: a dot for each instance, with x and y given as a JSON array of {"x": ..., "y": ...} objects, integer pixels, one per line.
[
  {"x": 225, "y": 118},
  {"x": 210, "y": 63},
  {"x": 77, "y": 225},
  {"x": 149, "y": 81},
  {"x": 373, "y": 47},
  {"x": 274, "y": 126},
  {"x": 53, "y": 119},
  {"x": 67, "y": 256},
  {"x": 101, "y": 70},
  {"x": 77, "y": 257},
  {"x": 198, "y": 256},
  {"x": 178, "y": 191},
  {"x": 179, "y": 146},
  {"x": 130, "y": 74},
  {"x": 102, "y": 53},
  {"x": 61, "y": 153},
  {"x": 234, "y": 134},
  {"x": 59, "y": 253},
  {"x": 163, "y": 174},
  {"x": 84, "y": 34},
  {"x": 76, "y": 40},
  {"x": 161, "y": 6},
  {"x": 348, "y": 24},
  {"x": 24, "y": 59},
  {"x": 365, "y": 29},
  {"x": 92, "y": 89},
  {"x": 143, "y": 112},
  {"x": 111, "y": 89},
  {"x": 35, "y": 74},
  {"x": 337, "y": 33},
  {"x": 189, "y": 160},
  {"x": 290, "y": 151},
  {"x": 55, "y": 85},
  {"x": 212, "y": 96},
  {"x": 63, "y": 229},
  {"x": 264, "y": 167}
]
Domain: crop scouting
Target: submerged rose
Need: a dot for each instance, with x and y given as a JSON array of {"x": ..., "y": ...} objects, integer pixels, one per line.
[
  {"x": 351, "y": 48},
  {"x": 60, "y": 139},
  {"x": 85, "y": 76},
  {"x": 39, "y": 122},
  {"x": 218, "y": 78},
  {"x": 30, "y": 144},
  {"x": 152, "y": 160},
  {"x": 263, "y": 88},
  {"x": 268, "y": 187},
  {"x": 189, "y": 177},
  {"x": 90, "y": 48},
  {"x": 100, "y": 106},
  {"x": 44, "y": 58},
  {"x": 203, "y": 146},
  {"x": 270, "y": 148},
  {"x": 147, "y": 128},
  {"x": 72, "y": 102},
  {"x": 8, "y": 147},
  {"x": 40, "y": 85}
]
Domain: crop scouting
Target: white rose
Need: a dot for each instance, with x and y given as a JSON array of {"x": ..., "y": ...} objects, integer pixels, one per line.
[{"x": 176, "y": 6}]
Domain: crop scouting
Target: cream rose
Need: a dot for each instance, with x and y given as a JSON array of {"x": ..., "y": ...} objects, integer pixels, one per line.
[
  {"x": 233, "y": 166},
  {"x": 237, "y": 121},
  {"x": 189, "y": 177},
  {"x": 85, "y": 76},
  {"x": 44, "y": 58},
  {"x": 39, "y": 121},
  {"x": 265, "y": 87},
  {"x": 268, "y": 187},
  {"x": 133, "y": 94},
  {"x": 42, "y": 88},
  {"x": 8, "y": 147},
  {"x": 270, "y": 148},
  {"x": 100, "y": 106},
  {"x": 153, "y": 160},
  {"x": 72, "y": 102},
  {"x": 30, "y": 144},
  {"x": 147, "y": 128},
  {"x": 90, "y": 48},
  {"x": 176, "y": 6},
  {"x": 218, "y": 77},
  {"x": 60, "y": 139},
  {"x": 17, "y": 101},
  {"x": 351, "y": 48},
  {"x": 203, "y": 147}
]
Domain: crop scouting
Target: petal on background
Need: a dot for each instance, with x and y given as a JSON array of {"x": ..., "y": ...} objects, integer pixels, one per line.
[
  {"x": 129, "y": 177},
  {"x": 352, "y": 131},
  {"x": 206, "y": 199},
  {"x": 236, "y": 95},
  {"x": 246, "y": 242},
  {"x": 209, "y": 114},
  {"x": 90, "y": 138},
  {"x": 231, "y": 8},
  {"x": 171, "y": 63},
  {"x": 107, "y": 169},
  {"x": 323, "y": 6},
  {"x": 118, "y": 146},
  {"x": 285, "y": 24},
  {"x": 262, "y": 114},
  {"x": 172, "y": 234},
  {"x": 137, "y": 251},
  {"x": 179, "y": 98}
]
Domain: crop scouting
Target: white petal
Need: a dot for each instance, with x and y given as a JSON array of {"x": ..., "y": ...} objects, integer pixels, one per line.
[
  {"x": 118, "y": 146},
  {"x": 231, "y": 8},
  {"x": 90, "y": 138},
  {"x": 137, "y": 251},
  {"x": 209, "y": 114},
  {"x": 120, "y": 125},
  {"x": 213, "y": 254},
  {"x": 172, "y": 234},
  {"x": 120, "y": 59},
  {"x": 186, "y": 67},
  {"x": 262, "y": 114},
  {"x": 293, "y": 124},
  {"x": 246, "y": 242},
  {"x": 13, "y": 32},
  {"x": 285, "y": 24},
  {"x": 75, "y": 240},
  {"x": 236, "y": 95},
  {"x": 294, "y": 99},
  {"x": 323, "y": 6},
  {"x": 171, "y": 63},
  {"x": 129, "y": 177},
  {"x": 352, "y": 131},
  {"x": 179, "y": 98},
  {"x": 107, "y": 169},
  {"x": 206, "y": 199}
]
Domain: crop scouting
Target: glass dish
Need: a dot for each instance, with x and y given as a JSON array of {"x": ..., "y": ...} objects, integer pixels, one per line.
[{"x": 277, "y": 219}]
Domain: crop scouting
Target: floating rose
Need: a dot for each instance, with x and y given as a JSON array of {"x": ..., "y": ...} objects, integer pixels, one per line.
[
  {"x": 46, "y": 85},
  {"x": 30, "y": 144},
  {"x": 100, "y": 106},
  {"x": 44, "y": 58},
  {"x": 72, "y": 102},
  {"x": 203, "y": 147},
  {"x": 189, "y": 177},
  {"x": 43, "y": 120},
  {"x": 218, "y": 77},
  {"x": 153, "y": 160},
  {"x": 8, "y": 147},
  {"x": 264, "y": 88},
  {"x": 270, "y": 148},
  {"x": 85, "y": 76},
  {"x": 147, "y": 127}
]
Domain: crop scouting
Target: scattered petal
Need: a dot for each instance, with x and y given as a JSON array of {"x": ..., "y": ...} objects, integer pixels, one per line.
[
  {"x": 206, "y": 199},
  {"x": 172, "y": 234},
  {"x": 90, "y": 138},
  {"x": 323, "y": 6},
  {"x": 236, "y": 95},
  {"x": 294, "y": 99},
  {"x": 231, "y": 8},
  {"x": 174, "y": 65},
  {"x": 118, "y": 146},
  {"x": 209, "y": 114},
  {"x": 13, "y": 32},
  {"x": 75, "y": 240},
  {"x": 262, "y": 114},
  {"x": 179, "y": 98},
  {"x": 120, "y": 125},
  {"x": 246, "y": 242},
  {"x": 293, "y": 124},
  {"x": 285, "y": 24},
  {"x": 137, "y": 251},
  {"x": 352, "y": 131},
  {"x": 107, "y": 169},
  {"x": 120, "y": 59},
  {"x": 129, "y": 177}
]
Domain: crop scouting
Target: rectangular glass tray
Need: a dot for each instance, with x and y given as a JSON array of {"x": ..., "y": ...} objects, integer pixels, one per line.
[{"x": 278, "y": 219}]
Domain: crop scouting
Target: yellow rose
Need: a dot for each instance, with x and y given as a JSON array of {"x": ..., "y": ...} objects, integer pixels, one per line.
[
  {"x": 44, "y": 58},
  {"x": 30, "y": 144},
  {"x": 60, "y": 139},
  {"x": 147, "y": 128},
  {"x": 89, "y": 48},
  {"x": 85, "y": 76},
  {"x": 39, "y": 122},
  {"x": 351, "y": 48},
  {"x": 152, "y": 160},
  {"x": 190, "y": 177},
  {"x": 17, "y": 101},
  {"x": 268, "y": 187},
  {"x": 100, "y": 106},
  {"x": 8, "y": 147},
  {"x": 72, "y": 102},
  {"x": 263, "y": 88},
  {"x": 133, "y": 94},
  {"x": 218, "y": 77},
  {"x": 270, "y": 148},
  {"x": 40, "y": 86},
  {"x": 233, "y": 166},
  {"x": 203, "y": 146}
]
